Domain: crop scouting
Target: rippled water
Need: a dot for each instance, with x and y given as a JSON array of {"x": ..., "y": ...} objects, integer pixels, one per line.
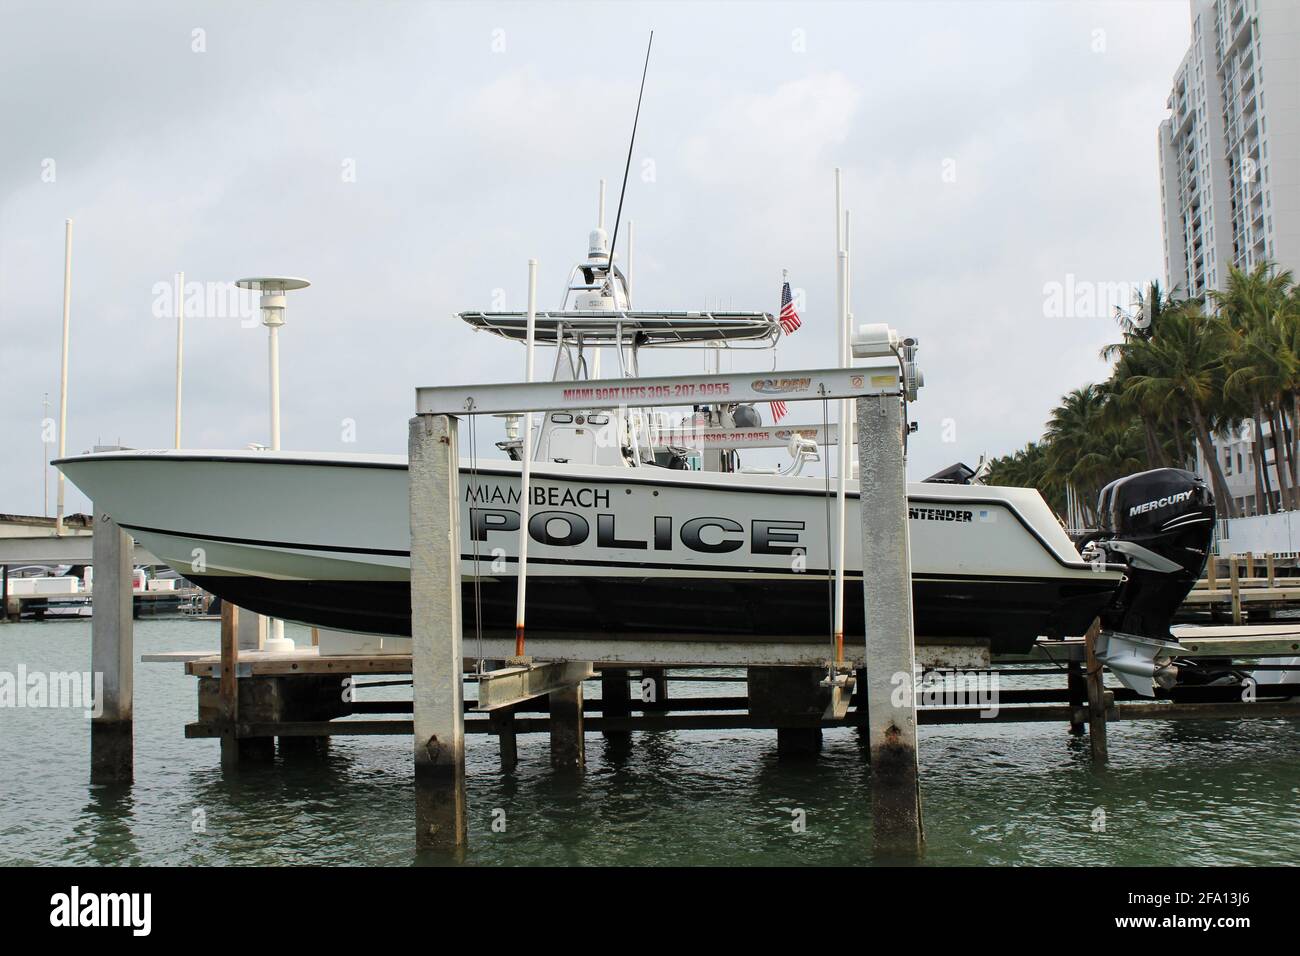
[{"x": 1174, "y": 793}]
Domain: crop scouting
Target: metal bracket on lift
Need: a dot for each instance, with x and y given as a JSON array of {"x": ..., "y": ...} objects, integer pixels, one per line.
[
  {"x": 841, "y": 679},
  {"x": 514, "y": 685},
  {"x": 1139, "y": 662}
]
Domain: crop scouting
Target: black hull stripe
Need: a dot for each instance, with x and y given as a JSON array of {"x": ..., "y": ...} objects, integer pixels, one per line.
[
  {"x": 257, "y": 542},
  {"x": 640, "y": 565}
]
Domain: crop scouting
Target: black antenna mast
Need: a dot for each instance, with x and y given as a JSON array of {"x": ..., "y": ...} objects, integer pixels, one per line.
[{"x": 627, "y": 168}]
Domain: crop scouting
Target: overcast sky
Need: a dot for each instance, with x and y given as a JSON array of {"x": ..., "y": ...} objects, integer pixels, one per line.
[{"x": 409, "y": 158}]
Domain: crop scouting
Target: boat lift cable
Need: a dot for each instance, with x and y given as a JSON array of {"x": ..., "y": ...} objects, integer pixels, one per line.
[
  {"x": 474, "y": 546},
  {"x": 627, "y": 168}
]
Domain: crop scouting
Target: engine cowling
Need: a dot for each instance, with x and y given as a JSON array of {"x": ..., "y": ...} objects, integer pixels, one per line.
[{"x": 1159, "y": 523}]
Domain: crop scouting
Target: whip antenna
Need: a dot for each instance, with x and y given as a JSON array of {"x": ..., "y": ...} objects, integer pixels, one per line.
[{"x": 627, "y": 168}]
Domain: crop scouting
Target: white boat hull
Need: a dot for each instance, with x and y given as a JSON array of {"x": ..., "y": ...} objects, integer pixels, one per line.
[{"x": 324, "y": 539}]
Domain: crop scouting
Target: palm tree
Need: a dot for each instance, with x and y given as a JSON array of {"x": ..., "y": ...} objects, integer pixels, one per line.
[
  {"x": 1181, "y": 375},
  {"x": 1184, "y": 364},
  {"x": 1262, "y": 369},
  {"x": 1162, "y": 423},
  {"x": 1027, "y": 468}
]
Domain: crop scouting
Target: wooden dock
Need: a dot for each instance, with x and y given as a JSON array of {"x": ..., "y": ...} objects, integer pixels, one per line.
[
  {"x": 267, "y": 711},
  {"x": 1234, "y": 589},
  {"x": 40, "y": 607}
]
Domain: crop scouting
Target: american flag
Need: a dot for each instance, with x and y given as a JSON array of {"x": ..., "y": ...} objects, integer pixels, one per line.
[
  {"x": 790, "y": 322},
  {"x": 788, "y": 318}
]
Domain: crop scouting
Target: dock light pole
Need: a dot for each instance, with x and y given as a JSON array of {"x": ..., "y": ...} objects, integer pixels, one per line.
[
  {"x": 63, "y": 370},
  {"x": 273, "y": 289},
  {"x": 525, "y": 479}
]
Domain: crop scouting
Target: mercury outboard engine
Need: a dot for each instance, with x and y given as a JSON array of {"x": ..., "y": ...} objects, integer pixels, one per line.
[{"x": 1160, "y": 523}]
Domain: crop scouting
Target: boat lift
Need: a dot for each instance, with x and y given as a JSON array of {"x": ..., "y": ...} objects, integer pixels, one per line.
[{"x": 881, "y": 391}]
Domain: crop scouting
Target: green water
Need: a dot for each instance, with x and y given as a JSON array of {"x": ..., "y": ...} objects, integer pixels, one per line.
[{"x": 1174, "y": 793}]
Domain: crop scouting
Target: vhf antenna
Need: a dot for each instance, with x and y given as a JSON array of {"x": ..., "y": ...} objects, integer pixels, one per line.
[{"x": 609, "y": 277}]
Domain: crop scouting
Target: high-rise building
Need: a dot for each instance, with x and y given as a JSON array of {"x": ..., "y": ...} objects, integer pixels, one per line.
[
  {"x": 1230, "y": 178},
  {"x": 1230, "y": 149}
]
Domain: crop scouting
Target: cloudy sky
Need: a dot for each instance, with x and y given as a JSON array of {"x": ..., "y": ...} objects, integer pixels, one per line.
[{"x": 409, "y": 157}]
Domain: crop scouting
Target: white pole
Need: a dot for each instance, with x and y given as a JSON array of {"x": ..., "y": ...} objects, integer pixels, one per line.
[
  {"x": 628, "y": 274},
  {"x": 180, "y": 348},
  {"x": 273, "y": 349},
  {"x": 600, "y": 213},
  {"x": 525, "y": 481},
  {"x": 841, "y": 493},
  {"x": 848, "y": 291},
  {"x": 277, "y": 640},
  {"x": 839, "y": 212},
  {"x": 63, "y": 369},
  {"x": 45, "y": 456},
  {"x": 845, "y": 443}
]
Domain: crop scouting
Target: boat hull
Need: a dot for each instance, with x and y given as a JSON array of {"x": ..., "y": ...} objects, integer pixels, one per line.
[
  {"x": 615, "y": 553},
  {"x": 1010, "y": 613}
]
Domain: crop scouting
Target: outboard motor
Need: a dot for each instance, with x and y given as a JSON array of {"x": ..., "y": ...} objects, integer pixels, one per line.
[{"x": 1160, "y": 523}]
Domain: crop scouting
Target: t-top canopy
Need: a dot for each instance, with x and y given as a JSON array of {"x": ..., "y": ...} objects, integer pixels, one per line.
[{"x": 758, "y": 329}]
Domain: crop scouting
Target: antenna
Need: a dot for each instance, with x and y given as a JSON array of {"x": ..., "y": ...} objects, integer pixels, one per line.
[{"x": 628, "y": 166}]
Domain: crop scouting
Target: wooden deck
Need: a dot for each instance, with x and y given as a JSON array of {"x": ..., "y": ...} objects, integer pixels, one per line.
[{"x": 1246, "y": 642}]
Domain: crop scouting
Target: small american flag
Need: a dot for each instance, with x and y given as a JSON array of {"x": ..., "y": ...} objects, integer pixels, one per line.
[
  {"x": 790, "y": 322},
  {"x": 788, "y": 318}
]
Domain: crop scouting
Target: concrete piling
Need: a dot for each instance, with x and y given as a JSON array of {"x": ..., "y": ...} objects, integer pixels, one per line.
[
  {"x": 503, "y": 725},
  {"x": 438, "y": 704},
  {"x": 890, "y": 656},
  {"x": 616, "y": 701},
  {"x": 112, "y": 749},
  {"x": 794, "y": 700},
  {"x": 568, "y": 749}
]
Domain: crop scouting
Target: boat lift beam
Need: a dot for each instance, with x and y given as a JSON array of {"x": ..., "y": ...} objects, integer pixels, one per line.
[
  {"x": 508, "y": 686},
  {"x": 436, "y": 633},
  {"x": 503, "y": 399}
]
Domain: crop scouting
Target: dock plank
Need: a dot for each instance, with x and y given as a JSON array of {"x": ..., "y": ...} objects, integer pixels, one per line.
[{"x": 1246, "y": 641}]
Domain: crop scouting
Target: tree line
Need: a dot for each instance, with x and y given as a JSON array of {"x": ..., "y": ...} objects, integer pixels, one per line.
[{"x": 1184, "y": 371}]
